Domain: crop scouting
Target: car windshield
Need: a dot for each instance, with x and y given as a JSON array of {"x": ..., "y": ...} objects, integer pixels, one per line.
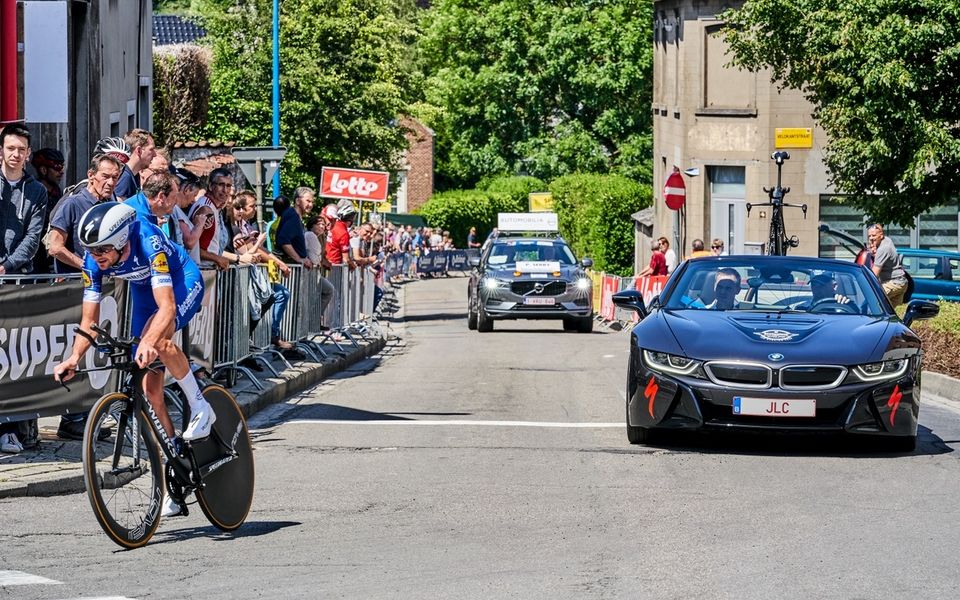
[
  {"x": 510, "y": 252},
  {"x": 775, "y": 285}
]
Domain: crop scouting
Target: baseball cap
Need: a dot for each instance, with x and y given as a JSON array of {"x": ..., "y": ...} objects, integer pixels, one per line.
[{"x": 822, "y": 278}]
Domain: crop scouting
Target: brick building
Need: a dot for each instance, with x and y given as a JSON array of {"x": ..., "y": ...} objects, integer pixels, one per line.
[{"x": 415, "y": 178}]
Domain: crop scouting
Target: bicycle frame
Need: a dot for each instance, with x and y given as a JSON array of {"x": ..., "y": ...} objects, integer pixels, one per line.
[{"x": 778, "y": 241}]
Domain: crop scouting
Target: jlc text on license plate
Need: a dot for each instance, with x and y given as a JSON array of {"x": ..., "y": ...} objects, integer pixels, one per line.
[{"x": 774, "y": 407}]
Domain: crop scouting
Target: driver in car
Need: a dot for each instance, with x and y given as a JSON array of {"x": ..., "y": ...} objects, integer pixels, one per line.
[{"x": 824, "y": 289}]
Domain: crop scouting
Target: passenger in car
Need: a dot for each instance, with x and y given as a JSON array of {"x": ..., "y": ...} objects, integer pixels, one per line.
[
  {"x": 726, "y": 290},
  {"x": 824, "y": 289}
]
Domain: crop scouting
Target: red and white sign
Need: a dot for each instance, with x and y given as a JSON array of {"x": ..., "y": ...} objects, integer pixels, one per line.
[
  {"x": 354, "y": 184},
  {"x": 675, "y": 191},
  {"x": 650, "y": 286}
]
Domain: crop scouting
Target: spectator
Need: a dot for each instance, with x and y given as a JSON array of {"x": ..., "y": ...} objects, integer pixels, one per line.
[
  {"x": 63, "y": 244},
  {"x": 658, "y": 263},
  {"x": 887, "y": 265},
  {"x": 142, "y": 151},
  {"x": 215, "y": 244},
  {"x": 23, "y": 208},
  {"x": 472, "y": 238},
  {"x": 48, "y": 163},
  {"x": 716, "y": 247},
  {"x": 291, "y": 246},
  {"x": 316, "y": 239},
  {"x": 159, "y": 164},
  {"x": 157, "y": 199},
  {"x": 338, "y": 244},
  {"x": 184, "y": 229},
  {"x": 248, "y": 241},
  {"x": 668, "y": 254},
  {"x": 23, "y": 203},
  {"x": 698, "y": 250}
]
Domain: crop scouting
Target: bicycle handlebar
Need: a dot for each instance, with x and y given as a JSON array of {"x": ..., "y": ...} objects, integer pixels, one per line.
[{"x": 104, "y": 341}]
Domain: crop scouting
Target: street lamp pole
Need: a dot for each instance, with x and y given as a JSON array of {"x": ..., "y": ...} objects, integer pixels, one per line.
[{"x": 276, "y": 89}]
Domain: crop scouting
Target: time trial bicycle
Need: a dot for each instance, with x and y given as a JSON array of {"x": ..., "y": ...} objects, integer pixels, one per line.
[
  {"x": 778, "y": 242},
  {"x": 125, "y": 473}
]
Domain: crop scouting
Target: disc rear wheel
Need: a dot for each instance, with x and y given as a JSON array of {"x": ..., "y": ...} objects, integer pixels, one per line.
[{"x": 225, "y": 459}]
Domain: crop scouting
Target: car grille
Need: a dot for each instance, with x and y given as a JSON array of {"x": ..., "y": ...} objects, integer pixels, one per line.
[
  {"x": 550, "y": 288},
  {"x": 807, "y": 377},
  {"x": 739, "y": 374}
]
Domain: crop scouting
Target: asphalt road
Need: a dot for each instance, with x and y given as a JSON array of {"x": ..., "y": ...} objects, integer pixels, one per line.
[{"x": 467, "y": 465}]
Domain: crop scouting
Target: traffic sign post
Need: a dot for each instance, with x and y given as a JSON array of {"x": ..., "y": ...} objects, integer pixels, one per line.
[{"x": 259, "y": 163}]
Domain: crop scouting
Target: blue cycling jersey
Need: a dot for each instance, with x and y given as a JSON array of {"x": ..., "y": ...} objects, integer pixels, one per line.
[{"x": 154, "y": 262}]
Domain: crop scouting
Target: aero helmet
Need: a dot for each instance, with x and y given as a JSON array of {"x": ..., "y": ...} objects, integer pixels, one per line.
[
  {"x": 115, "y": 147},
  {"x": 106, "y": 224}
]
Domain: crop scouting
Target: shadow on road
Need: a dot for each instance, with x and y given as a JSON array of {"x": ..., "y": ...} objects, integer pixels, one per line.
[
  {"x": 794, "y": 444},
  {"x": 248, "y": 529},
  {"x": 448, "y": 316}
]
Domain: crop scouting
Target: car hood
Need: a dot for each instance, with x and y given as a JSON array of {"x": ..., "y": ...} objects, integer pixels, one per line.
[{"x": 800, "y": 338}]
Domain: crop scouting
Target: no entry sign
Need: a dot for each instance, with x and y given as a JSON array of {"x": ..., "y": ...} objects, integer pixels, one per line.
[
  {"x": 675, "y": 191},
  {"x": 354, "y": 184}
]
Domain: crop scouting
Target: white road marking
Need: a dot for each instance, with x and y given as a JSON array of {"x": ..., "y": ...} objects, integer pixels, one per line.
[
  {"x": 457, "y": 422},
  {"x": 102, "y": 598},
  {"x": 8, "y": 578}
]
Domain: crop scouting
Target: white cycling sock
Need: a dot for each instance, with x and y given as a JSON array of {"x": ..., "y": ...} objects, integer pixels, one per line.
[{"x": 191, "y": 390}]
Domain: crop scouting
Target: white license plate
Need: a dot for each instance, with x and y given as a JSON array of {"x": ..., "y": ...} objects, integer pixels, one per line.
[
  {"x": 538, "y": 301},
  {"x": 774, "y": 407}
]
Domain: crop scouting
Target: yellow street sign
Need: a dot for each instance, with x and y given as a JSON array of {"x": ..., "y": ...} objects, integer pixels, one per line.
[
  {"x": 794, "y": 137},
  {"x": 541, "y": 201}
]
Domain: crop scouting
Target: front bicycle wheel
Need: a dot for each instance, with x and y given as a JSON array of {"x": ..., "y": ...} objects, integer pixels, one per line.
[
  {"x": 225, "y": 459},
  {"x": 123, "y": 472}
]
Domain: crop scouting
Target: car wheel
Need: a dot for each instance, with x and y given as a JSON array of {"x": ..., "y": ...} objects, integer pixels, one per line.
[
  {"x": 585, "y": 325},
  {"x": 569, "y": 325},
  {"x": 636, "y": 435},
  {"x": 471, "y": 317},
  {"x": 484, "y": 323}
]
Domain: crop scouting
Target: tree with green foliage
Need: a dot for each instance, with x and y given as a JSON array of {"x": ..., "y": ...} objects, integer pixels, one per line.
[
  {"x": 458, "y": 210},
  {"x": 594, "y": 214},
  {"x": 518, "y": 188},
  {"x": 538, "y": 87},
  {"x": 345, "y": 78},
  {"x": 881, "y": 77}
]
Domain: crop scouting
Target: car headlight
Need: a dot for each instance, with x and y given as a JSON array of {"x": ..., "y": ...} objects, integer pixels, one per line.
[
  {"x": 879, "y": 371},
  {"x": 490, "y": 283},
  {"x": 583, "y": 284},
  {"x": 670, "y": 363}
]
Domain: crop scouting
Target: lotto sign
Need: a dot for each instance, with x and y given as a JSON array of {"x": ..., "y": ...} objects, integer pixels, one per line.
[
  {"x": 354, "y": 184},
  {"x": 675, "y": 191}
]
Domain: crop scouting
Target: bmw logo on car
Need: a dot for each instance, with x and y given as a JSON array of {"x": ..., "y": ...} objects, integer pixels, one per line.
[{"x": 775, "y": 356}]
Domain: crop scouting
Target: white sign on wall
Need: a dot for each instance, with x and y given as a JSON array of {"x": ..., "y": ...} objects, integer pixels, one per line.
[{"x": 46, "y": 91}]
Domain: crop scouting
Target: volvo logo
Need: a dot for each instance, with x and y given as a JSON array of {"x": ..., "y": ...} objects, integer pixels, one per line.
[
  {"x": 538, "y": 288},
  {"x": 775, "y": 335},
  {"x": 775, "y": 356}
]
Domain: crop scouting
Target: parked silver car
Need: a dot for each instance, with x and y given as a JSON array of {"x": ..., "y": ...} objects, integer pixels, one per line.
[{"x": 530, "y": 278}]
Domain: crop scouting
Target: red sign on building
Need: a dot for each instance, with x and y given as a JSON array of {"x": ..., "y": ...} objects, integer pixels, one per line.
[
  {"x": 354, "y": 184},
  {"x": 675, "y": 191}
]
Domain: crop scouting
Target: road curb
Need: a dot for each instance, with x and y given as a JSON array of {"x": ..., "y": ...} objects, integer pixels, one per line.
[{"x": 941, "y": 386}]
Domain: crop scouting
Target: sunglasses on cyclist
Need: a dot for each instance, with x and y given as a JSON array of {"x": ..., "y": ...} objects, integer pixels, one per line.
[{"x": 100, "y": 250}]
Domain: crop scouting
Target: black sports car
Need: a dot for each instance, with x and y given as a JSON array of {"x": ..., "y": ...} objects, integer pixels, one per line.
[{"x": 773, "y": 342}]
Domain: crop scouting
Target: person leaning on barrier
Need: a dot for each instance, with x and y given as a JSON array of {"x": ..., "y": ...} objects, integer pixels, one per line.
[
  {"x": 216, "y": 246},
  {"x": 264, "y": 294},
  {"x": 63, "y": 240},
  {"x": 316, "y": 239},
  {"x": 291, "y": 245},
  {"x": 338, "y": 244}
]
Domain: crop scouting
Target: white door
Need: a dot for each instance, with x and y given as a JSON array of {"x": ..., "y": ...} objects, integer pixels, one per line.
[{"x": 728, "y": 210}]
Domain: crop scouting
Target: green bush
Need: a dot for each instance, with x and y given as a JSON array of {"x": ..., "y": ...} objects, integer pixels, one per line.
[
  {"x": 594, "y": 213},
  {"x": 941, "y": 336},
  {"x": 458, "y": 210},
  {"x": 517, "y": 188}
]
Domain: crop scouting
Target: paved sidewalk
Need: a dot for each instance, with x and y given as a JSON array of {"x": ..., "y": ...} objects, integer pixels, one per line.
[{"x": 55, "y": 467}]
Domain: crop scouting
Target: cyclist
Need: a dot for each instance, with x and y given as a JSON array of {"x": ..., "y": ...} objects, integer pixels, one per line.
[{"x": 166, "y": 292}]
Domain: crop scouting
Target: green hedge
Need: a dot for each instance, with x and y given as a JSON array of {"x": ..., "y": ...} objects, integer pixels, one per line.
[
  {"x": 594, "y": 216},
  {"x": 517, "y": 188},
  {"x": 458, "y": 210}
]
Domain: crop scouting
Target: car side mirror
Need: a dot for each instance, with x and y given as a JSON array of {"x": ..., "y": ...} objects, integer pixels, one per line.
[
  {"x": 631, "y": 300},
  {"x": 920, "y": 309},
  {"x": 474, "y": 261},
  {"x": 586, "y": 262}
]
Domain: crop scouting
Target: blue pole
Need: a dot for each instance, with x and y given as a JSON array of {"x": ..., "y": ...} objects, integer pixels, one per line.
[{"x": 276, "y": 89}]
